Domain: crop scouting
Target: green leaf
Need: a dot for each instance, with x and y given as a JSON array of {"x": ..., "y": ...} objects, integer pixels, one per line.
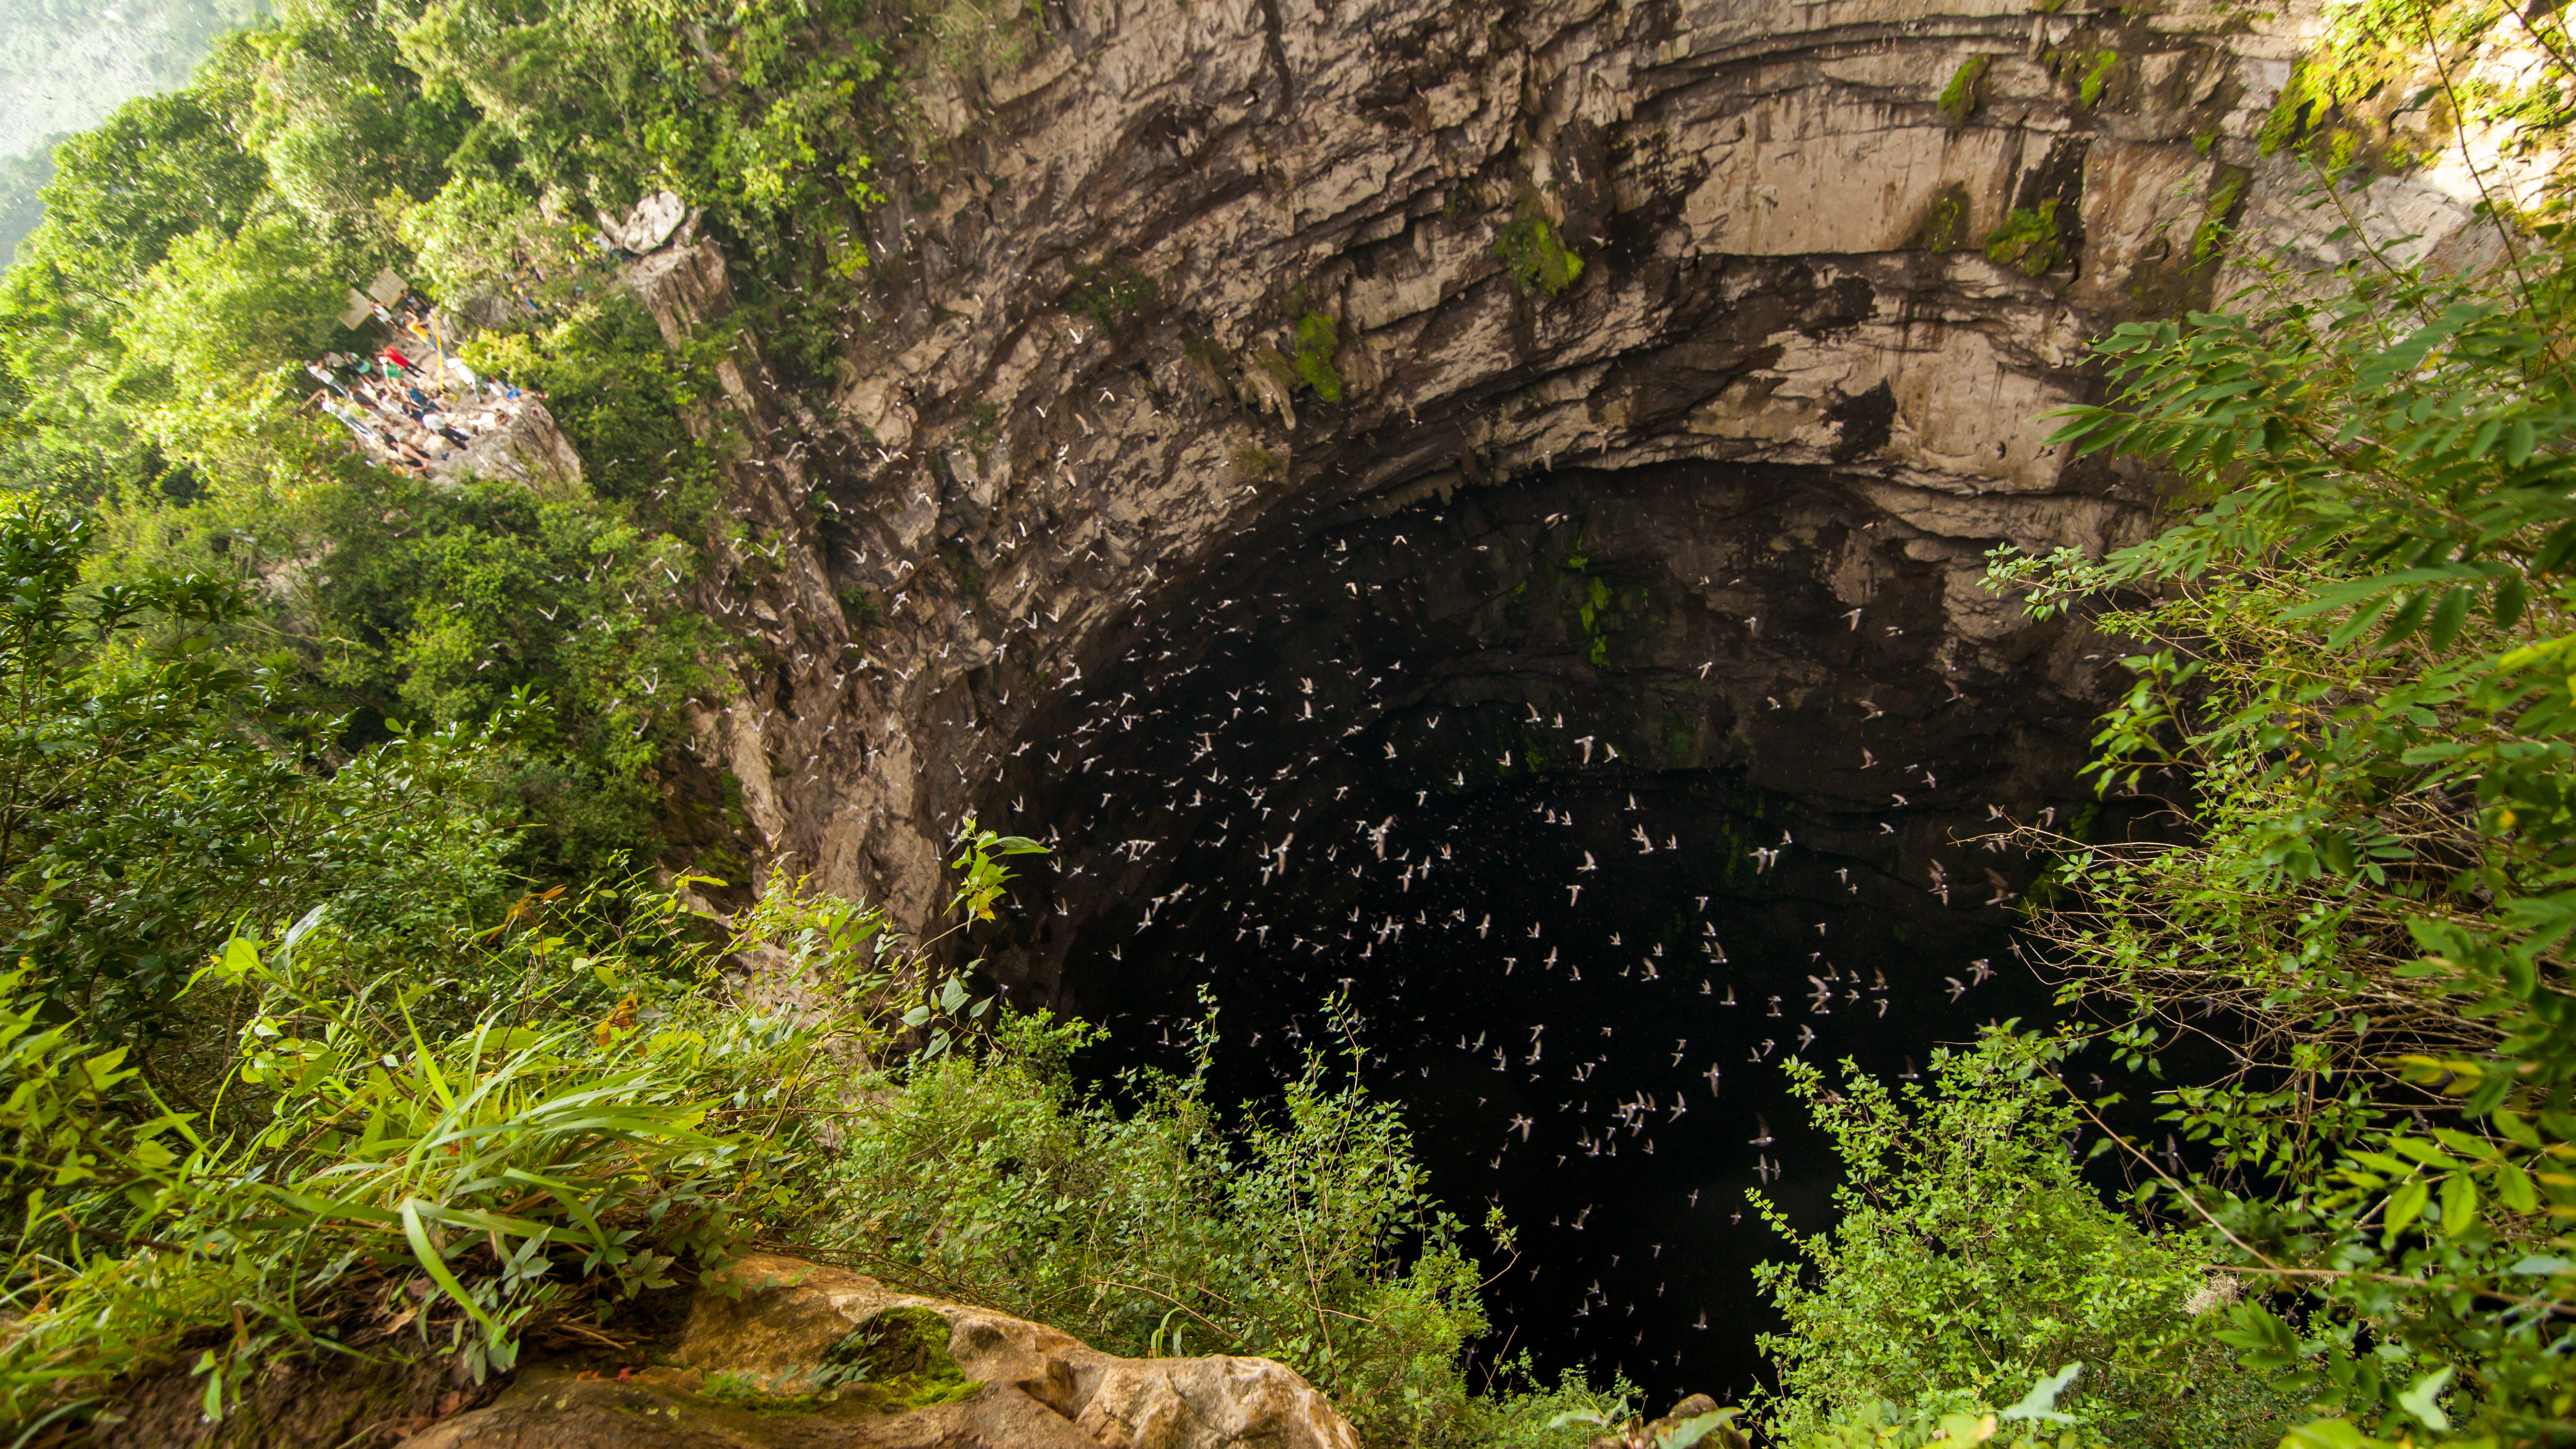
[
  {"x": 2327, "y": 1434},
  {"x": 2422, "y": 1400},
  {"x": 2513, "y": 1187},
  {"x": 2426, "y": 1153},
  {"x": 1695, "y": 1428},
  {"x": 2510, "y": 599},
  {"x": 2459, "y": 1204},
  {"x": 434, "y": 1263},
  {"x": 2406, "y": 1205},
  {"x": 2040, "y": 1404},
  {"x": 211, "y": 1402},
  {"x": 2447, "y": 619}
]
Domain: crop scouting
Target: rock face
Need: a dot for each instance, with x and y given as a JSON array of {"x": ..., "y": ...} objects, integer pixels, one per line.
[
  {"x": 741, "y": 1372},
  {"x": 528, "y": 448},
  {"x": 1193, "y": 280}
]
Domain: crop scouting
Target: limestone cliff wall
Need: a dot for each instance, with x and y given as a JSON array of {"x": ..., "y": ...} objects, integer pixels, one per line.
[{"x": 1076, "y": 384}]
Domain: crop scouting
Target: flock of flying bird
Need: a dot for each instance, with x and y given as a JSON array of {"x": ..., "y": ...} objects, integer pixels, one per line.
[{"x": 1530, "y": 927}]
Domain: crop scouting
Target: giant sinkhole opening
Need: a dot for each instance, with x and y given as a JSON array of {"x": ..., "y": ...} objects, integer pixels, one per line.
[{"x": 1597, "y": 794}]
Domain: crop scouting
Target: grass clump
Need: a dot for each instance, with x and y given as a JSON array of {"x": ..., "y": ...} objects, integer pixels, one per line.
[{"x": 522, "y": 1170}]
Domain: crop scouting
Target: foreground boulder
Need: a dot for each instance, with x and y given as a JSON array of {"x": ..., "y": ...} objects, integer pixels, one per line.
[{"x": 779, "y": 1352}]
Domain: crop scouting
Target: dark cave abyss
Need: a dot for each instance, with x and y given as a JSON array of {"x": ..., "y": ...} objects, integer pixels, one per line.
[{"x": 1599, "y": 800}]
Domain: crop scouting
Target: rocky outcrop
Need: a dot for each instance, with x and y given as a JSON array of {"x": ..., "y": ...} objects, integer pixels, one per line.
[
  {"x": 778, "y": 1352},
  {"x": 527, "y": 447}
]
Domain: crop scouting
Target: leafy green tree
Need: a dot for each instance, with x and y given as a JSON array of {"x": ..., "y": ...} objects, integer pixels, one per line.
[
  {"x": 160, "y": 168},
  {"x": 477, "y": 598},
  {"x": 217, "y": 333},
  {"x": 631, "y": 404},
  {"x": 350, "y": 131},
  {"x": 154, "y": 797}
]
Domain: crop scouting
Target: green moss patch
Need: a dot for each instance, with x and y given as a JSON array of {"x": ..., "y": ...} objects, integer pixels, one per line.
[
  {"x": 2028, "y": 239},
  {"x": 2097, "y": 78},
  {"x": 1318, "y": 338},
  {"x": 1944, "y": 227},
  {"x": 903, "y": 1353},
  {"x": 1959, "y": 98},
  {"x": 895, "y": 1361},
  {"x": 1537, "y": 256}
]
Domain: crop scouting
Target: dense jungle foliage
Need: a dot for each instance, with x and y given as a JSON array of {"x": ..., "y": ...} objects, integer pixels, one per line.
[{"x": 357, "y": 1005}]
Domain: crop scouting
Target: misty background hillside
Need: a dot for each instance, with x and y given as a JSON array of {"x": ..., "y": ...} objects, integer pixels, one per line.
[{"x": 64, "y": 66}]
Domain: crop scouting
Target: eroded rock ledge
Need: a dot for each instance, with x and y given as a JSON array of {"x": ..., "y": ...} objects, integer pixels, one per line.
[{"x": 742, "y": 1375}]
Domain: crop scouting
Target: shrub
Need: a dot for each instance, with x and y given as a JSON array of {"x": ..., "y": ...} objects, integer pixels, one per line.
[
  {"x": 2351, "y": 667},
  {"x": 1969, "y": 1257},
  {"x": 152, "y": 794},
  {"x": 1305, "y": 1234}
]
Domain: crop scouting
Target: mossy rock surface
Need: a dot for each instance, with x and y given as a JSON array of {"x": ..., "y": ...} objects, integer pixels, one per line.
[
  {"x": 904, "y": 1354},
  {"x": 782, "y": 1354}
]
